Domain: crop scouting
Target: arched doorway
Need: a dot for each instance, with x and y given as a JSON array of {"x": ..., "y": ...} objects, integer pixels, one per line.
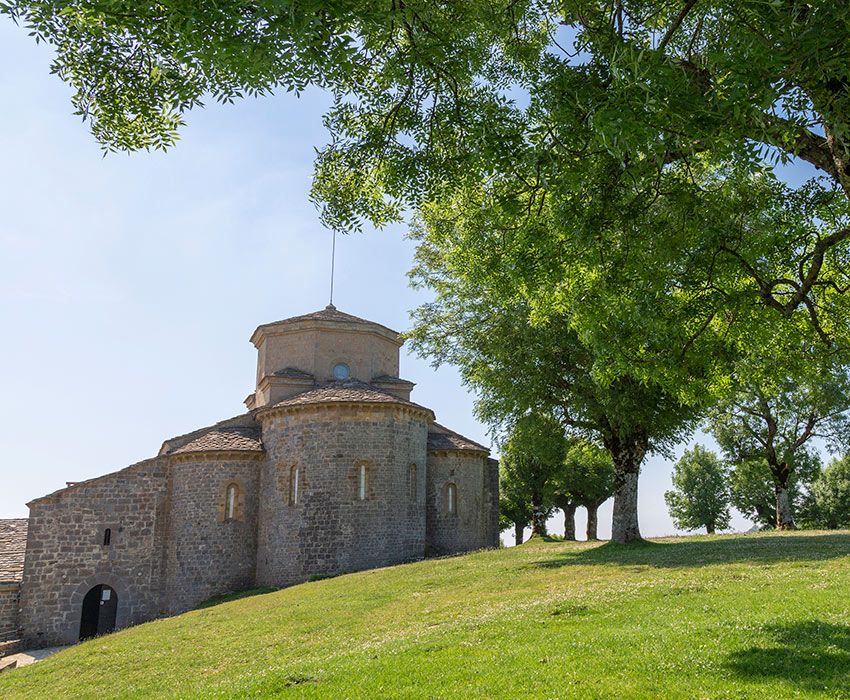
[{"x": 99, "y": 608}]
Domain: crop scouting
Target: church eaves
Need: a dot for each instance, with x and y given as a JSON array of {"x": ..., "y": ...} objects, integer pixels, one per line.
[
  {"x": 330, "y": 314},
  {"x": 231, "y": 439},
  {"x": 441, "y": 438},
  {"x": 345, "y": 392}
]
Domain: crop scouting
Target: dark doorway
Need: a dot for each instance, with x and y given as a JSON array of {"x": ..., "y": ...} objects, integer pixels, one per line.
[{"x": 99, "y": 608}]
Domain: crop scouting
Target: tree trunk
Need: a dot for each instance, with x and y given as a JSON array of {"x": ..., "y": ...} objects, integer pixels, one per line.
[
  {"x": 784, "y": 514},
  {"x": 709, "y": 528},
  {"x": 627, "y": 455},
  {"x": 519, "y": 531},
  {"x": 538, "y": 521},
  {"x": 569, "y": 522},
  {"x": 592, "y": 521}
]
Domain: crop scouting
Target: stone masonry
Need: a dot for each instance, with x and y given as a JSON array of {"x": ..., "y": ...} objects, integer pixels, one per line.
[
  {"x": 332, "y": 469},
  {"x": 13, "y": 538}
]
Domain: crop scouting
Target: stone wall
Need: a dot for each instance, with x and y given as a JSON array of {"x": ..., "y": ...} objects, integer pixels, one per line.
[
  {"x": 471, "y": 526},
  {"x": 66, "y": 556},
  {"x": 9, "y": 603},
  {"x": 493, "y": 532},
  {"x": 328, "y": 529},
  {"x": 207, "y": 553}
]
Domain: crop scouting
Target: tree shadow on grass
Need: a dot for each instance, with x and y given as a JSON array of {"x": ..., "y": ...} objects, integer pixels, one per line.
[
  {"x": 812, "y": 654},
  {"x": 761, "y": 549}
]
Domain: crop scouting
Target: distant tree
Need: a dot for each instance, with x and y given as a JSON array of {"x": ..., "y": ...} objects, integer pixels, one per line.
[
  {"x": 531, "y": 457},
  {"x": 773, "y": 413},
  {"x": 568, "y": 506},
  {"x": 830, "y": 496},
  {"x": 700, "y": 494},
  {"x": 753, "y": 490},
  {"x": 515, "y": 509},
  {"x": 586, "y": 480}
]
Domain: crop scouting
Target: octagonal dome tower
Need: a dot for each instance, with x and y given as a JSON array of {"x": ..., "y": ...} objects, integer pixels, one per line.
[{"x": 303, "y": 352}]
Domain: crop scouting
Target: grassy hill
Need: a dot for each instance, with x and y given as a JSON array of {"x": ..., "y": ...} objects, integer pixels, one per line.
[{"x": 755, "y": 616}]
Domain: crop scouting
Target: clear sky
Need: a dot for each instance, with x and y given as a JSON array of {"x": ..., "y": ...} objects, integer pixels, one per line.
[{"x": 130, "y": 285}]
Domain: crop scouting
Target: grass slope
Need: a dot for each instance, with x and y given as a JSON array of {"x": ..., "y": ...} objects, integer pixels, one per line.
[{"x": 756, "y": 616}]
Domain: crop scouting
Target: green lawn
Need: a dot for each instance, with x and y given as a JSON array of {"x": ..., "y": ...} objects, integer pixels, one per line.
[{"x": 755, "y": 616}]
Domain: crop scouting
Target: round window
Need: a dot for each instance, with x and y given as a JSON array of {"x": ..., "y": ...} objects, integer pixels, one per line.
[{"x": 341, "y": 371}]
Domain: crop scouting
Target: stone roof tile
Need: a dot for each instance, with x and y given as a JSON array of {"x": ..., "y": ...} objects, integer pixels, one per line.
[
  {"x": 225, "y": 439},
  {"x": 351, "y": 391},
  {"x": 329, "y": 313},
  {"x": 387, "y": 379},
  {"x": 441, "y": 438},
  {"x": 13, "y": 544}
]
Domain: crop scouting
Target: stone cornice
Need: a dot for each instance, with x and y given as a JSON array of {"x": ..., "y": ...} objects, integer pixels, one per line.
[
  {"x": 218, "y": 456},
  {"x": 412, "y": 409},
  {"x": 286, "y": 327},
  {"x": 463, "y": 450},
  {"x": 273, "y": 380}
]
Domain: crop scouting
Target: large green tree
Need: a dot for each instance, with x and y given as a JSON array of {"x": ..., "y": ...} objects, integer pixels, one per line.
[
  {"x": 753, "y": 490},
  {"x": 700, "y": 493},
  {"x": 773, "y": 414},
  {"x": 517, "y": 364},
  {"x": 585, "y": 104},
  {"x": 530, "y": 459},
  {"x": 613, "y": 160}
]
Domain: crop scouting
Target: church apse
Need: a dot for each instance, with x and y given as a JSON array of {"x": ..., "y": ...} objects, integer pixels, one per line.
[{"x": 332, "y": 469}]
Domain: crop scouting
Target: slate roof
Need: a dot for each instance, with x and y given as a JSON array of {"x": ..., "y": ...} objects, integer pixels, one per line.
[
  {"x": 329, "y": 313},
  {"x": 224, "y": 439},
  {"x": 441, "y": 438},
  {"x": 351, "y": 391},
  {"x": 13, "y": 544},
  {"x": 387, "y": 379}
]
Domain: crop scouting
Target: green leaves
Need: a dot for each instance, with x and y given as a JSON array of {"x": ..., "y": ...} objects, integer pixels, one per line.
[
  {"x": 829, "y": 504},
  {"x": 587, "y": 475},
  {"x": 700, "y": 494}
]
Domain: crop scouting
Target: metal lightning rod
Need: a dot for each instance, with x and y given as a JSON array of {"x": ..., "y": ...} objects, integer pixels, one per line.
[{"x": 333, "y": 260}]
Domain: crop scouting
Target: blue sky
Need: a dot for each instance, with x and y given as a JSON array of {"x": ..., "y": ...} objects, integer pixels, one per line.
[{"x": 129, "y": 285}]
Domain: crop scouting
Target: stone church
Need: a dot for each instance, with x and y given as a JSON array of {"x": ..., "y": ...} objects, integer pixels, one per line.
[{"x": 331, "y": 469}]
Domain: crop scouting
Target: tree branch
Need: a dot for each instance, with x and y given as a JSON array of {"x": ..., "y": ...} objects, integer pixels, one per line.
[{"x": 677, "y": 21}]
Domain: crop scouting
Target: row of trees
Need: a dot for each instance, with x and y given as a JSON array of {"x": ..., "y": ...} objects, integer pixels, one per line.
[
  {"x": 543, "y": 469},
  {"x": 599, "y": 215},
  {"x": 705, "y": 486}
]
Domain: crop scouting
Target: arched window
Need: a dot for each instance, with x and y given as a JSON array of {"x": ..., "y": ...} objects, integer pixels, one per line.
[
  {"x": 412, "y": 480},
  {"x": 107, "y": 537},
  {"x": 451, "y": 499},
  {"x": 294, "y": 476},
  {"x": 361, "y": 481},
  {"x": 230, "y": 502}
]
